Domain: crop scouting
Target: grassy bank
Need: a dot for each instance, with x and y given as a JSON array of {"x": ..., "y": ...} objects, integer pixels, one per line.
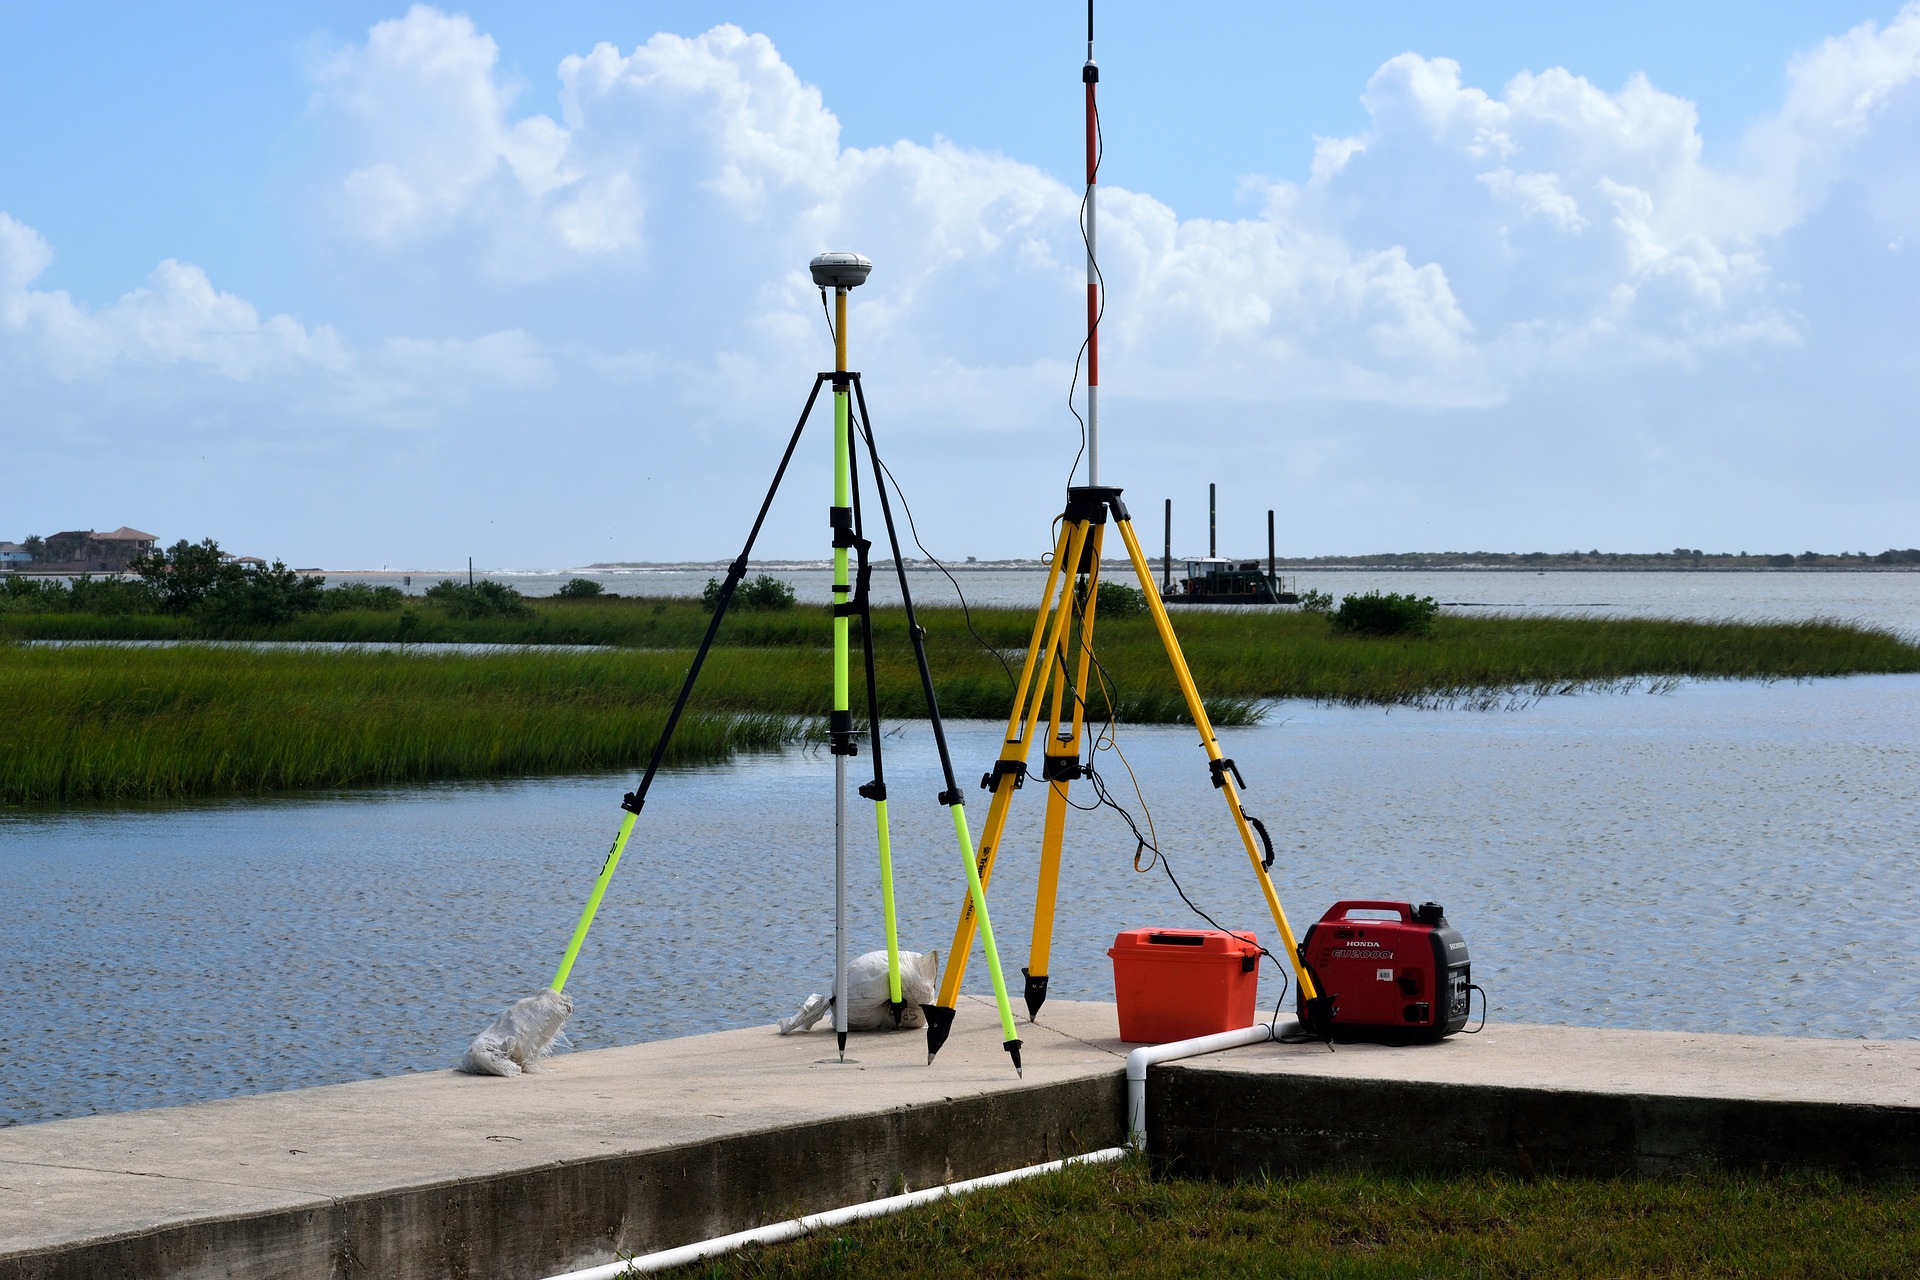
[
  {"x": 85, "y": 724},
  {"x": 150, "y": 724},
  {"x": 1112, "y": 1220}
]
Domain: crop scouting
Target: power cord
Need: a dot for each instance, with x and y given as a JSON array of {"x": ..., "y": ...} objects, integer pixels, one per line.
[
  {"x": 1107, "y": 738},
  {"x": 966, "y": 612}
]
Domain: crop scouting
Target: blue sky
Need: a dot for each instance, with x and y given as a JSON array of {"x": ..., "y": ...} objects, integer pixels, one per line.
[{"x": 361, "y": 284}]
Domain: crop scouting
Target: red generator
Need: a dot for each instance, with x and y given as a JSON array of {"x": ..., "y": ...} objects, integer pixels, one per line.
[{"x": 1386, "y": 970}]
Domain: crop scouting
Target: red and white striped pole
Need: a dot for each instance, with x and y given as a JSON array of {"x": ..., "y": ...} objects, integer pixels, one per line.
[{"x": 1090, "y": 76}]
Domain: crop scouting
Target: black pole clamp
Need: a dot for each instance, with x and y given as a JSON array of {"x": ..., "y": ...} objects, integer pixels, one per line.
[
  {"x": 840, "y": 729},
  {"x": 877, "y": 791},
  {"x": 842, "y": 520},
  {"x": 1061, "y": 768},
  {"x": 1219, "y": 768},
  {"x": 1001, "y": 768}
]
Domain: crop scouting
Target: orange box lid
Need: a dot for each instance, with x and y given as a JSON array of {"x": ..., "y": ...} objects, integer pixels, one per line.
[{"x": 1184, "y": 944}]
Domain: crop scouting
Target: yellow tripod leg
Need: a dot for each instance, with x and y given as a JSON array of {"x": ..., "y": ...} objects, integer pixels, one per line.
[
  {"x": 1061, "y": 765},
  {"x": 1021, "y": 722},
  {"x": 1222, "y": 768}
]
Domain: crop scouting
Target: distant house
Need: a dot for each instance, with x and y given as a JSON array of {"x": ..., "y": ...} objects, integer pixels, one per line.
[
  {"x": 136, "y": 542},
  {"x": 84, "y": 551},
  {"x": 12, "y": 553}
]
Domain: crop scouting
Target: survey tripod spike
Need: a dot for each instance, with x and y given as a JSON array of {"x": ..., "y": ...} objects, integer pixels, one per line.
[{"x": 940, "y": 1015}]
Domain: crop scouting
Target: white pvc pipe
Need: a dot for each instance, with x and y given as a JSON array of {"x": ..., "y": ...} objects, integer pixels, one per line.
[
  {"x": 779, "y": 1231},
  {"x": 1140, "y": 1059}
]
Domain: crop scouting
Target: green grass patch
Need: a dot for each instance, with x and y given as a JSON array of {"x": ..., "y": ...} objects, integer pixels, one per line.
[
  {"x": 1115, "y": 1220},
  {"x": 86, "y": 724},
  {"x": 156, "y": 724}
]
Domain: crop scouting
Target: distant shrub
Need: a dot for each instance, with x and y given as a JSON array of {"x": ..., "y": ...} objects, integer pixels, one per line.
[
  {"x": 184, "y": 574},
  {"x": 358, "y": 596},
  {"x": 31, "y": 595},
  {"x": 482, "y": 599},
  {"x": 114, "y": 595},
  {"x": 763, "y": 592},
  {"x": 1389, "y": 614},
  {"x": 1780, "y": 561},
  {"x": 1316, "y": 602},
  {"x": 579, "y": 589},
  {"x": 260, "y": 595},
  {"x": 1118, "y": 600}
]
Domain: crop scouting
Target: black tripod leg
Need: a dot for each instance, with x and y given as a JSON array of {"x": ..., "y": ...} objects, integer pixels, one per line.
[{"x": 636, "y": 799}]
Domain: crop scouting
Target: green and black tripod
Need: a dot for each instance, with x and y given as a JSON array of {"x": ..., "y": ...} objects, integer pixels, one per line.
[{"x": 852, "y": 575}]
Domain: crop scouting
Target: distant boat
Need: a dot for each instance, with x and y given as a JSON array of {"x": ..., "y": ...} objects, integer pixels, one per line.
[
  {"x": 1214, "y": 579},
  {"x": 1217, "y": 580}
]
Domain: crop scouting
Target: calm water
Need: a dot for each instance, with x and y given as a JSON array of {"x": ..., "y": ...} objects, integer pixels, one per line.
[
  {"x": 1886, "y": 599},
  {"x": 1726, "y": 856}
]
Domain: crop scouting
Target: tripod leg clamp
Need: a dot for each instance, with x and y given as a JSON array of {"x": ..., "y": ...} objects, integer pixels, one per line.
[
  {"x": 1061, "y": 768},
  {"x": 841, "y": 518},
  {"x": 1002, "y": 768}
]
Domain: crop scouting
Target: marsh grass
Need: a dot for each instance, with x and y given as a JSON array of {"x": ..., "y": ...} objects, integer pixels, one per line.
[
  {"x": 1114, "y": 1221},
  {"x": 153, "y": 724},
  {"x": 86, "y": 724}
]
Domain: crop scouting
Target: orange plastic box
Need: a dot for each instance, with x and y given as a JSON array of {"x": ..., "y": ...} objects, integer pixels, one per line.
[{"x": 1174, "y": 984}]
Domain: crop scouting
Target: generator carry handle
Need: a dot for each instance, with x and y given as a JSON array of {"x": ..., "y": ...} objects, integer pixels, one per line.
[{"x": 1339, "y": 910}]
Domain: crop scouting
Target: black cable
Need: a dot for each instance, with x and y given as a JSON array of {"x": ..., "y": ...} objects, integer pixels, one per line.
[
  {"x": 913, "y": 530},
  {"x": 1471, "y": 988},
  {"x": 828, "y": 313},
  {"x": 1108, "y": 735}
]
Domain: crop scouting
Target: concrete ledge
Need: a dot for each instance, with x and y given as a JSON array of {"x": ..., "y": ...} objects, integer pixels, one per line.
[
  {"x": 1532, "y": 1100},
  {"x": 440, "y": 1176},
  {"x": 624, "y": 1150}
]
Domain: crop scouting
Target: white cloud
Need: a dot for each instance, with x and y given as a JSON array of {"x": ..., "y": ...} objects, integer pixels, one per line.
[
  {"x": 195, "y": 337},
  {"x": 176, "y": 318},
  {"x": 1466, "y": 242},
  {"x": 639, "y": 247}
]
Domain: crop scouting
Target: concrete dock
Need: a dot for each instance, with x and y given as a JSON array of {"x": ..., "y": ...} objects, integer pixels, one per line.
[{"x": 633, "y": 1149}]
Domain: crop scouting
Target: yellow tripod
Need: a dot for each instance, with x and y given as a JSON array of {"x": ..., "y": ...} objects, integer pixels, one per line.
[{"x": 1058, "y": 662}]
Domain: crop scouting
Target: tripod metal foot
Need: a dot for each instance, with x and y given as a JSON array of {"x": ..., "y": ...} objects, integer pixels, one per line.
[
  {"x": 1036, "y": 994},
  {"x": 939, "y": 1026}
]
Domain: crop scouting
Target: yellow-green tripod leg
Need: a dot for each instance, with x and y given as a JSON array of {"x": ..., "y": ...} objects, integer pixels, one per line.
[
  {"x": 607, "y": 869},
  {"x": 977, "y": 895},
  {"x": 886, "y": 905}
]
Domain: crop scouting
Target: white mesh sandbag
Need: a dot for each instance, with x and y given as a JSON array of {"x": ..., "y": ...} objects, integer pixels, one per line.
[
  {"x": 868, "y": 1006},
  {"x": 520, "y": 1037}
]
